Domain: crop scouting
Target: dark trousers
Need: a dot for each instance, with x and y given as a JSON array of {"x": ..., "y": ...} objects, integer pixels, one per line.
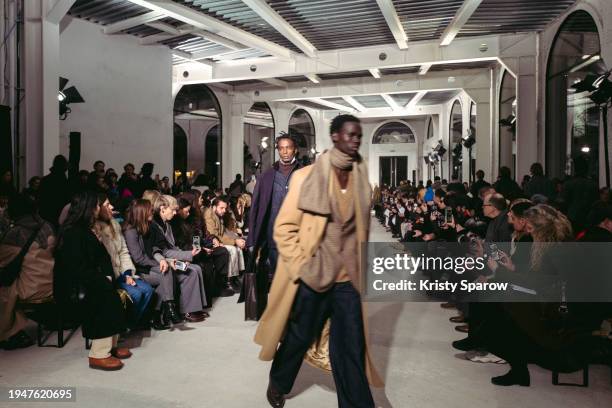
[{"x": 346, "y": 342}]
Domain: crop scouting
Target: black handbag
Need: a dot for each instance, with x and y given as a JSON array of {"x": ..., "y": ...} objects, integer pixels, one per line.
[{"x": 10, "y": 272}]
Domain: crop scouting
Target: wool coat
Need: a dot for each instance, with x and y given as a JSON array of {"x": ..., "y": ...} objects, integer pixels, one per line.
[{"x": 298, "y": 234}]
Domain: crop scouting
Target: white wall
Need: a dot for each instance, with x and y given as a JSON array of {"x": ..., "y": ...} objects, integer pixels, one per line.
[{"x": 127, "y": 114}]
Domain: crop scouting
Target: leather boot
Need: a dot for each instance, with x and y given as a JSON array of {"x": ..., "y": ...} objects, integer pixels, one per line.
[
  {"x": 170, "y": 313},
  {"x": 159, "y": 322}
]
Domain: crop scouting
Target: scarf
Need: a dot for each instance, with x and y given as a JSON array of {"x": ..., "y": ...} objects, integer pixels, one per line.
[
  {"x": 315, "y": 194},
  {"x": 342, "y": 160}
]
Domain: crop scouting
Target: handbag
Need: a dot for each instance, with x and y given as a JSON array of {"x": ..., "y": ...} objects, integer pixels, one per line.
[
  {"x": 318, "y": 352},
  {"x": 10, "y": 272}
]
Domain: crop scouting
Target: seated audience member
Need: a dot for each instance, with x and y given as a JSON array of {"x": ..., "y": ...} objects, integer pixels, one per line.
[
  {"x": 213, "y": 217},
  {"x": 151, "y": 196},
  {"x": 522, "y": 333},
  {"x": 214, "y": 260},
  {"x": 145, "y": 181},
  {"x": 108, "y": 231},
  {"x": 506, "y": 186},
  {"x": 129, "y": 179},
  {"x": 600, "y": 224},
  {"x": 33, "y": 188},
  {"x": 156, "y": 269},
  {"x": 34, "y": 281},
  {"x": 82, "y": 258},
  {"x": 191, "y": 281}
]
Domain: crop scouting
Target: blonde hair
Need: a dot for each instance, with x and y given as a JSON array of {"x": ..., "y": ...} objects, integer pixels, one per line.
[
  {"x": 550, "y": 226},
  {"x": 164, "y": 201},
  {"x": 152, "y": 196}
]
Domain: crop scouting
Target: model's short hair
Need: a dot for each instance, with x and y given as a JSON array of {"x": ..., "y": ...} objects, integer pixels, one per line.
[
  {"x": 339, "y": 121},
  {"x": 286, "y": 136}
]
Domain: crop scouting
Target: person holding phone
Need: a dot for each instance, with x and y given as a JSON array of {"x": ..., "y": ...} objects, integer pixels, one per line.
[{"x": 191, "y": 281}]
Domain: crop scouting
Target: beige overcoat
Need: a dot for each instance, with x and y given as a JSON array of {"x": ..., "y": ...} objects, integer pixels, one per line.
[{"x": 298, "y": 235}]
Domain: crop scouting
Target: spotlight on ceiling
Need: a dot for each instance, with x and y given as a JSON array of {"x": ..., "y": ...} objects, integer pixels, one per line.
[{"x": 66, "y": 96}]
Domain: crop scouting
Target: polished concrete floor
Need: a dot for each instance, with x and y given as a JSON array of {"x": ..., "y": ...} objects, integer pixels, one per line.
[{"x": 214, "y": 364}]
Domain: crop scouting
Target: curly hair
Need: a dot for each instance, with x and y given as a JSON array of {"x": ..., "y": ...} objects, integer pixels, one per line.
[{"x": 550, "y": 226}]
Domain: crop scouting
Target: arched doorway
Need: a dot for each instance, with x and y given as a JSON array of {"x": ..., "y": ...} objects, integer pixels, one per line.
[
  {"x": 212, "y": 146},
  {"x": 455, "y": 139},
  {"x": 179, "y": 151},
  {"x": 470, "y": 143},
  {"x": 388, "y": 141},
  {"x": 258, "y": 140},
  {"x": 301, "y": 128},
  {"x": 507, "y": 123},
  {"x": 572, "y": 119},
  {"x": 197, "y": 112}
]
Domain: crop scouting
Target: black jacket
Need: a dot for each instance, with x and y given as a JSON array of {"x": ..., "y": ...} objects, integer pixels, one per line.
[{"x": 82, "y": 259}]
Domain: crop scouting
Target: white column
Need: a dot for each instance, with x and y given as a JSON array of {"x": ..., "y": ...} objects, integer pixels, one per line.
[
  {"x": 484, "y": 132},
  {"x": 526, "y": 118},
  {"x": 41, "y": 82}
]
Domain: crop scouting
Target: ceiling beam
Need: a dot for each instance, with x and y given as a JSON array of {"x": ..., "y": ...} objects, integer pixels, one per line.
[
  {"x": 205, "y": 22},
  {"x": 59, "y": 10},
  {"x": 190, "y": 57},
  {"x": 332, "y": 105},
  {"x": 157, "y": 38},
  {"x": 198, "y": 55},
  {"x": 166, "y": 28},
  {"x": 274, "y": 81},
  {"x": 424, "y": 69},
  {"x": 461, "y": 17},
  {"x": 314, "y": 78},
  {"x": 416, "y": 99},
  {"x": 133, "y": 22},
  {"x": 217, "y": 39},
  {"x": 353, "y": 102},
  {"x": 375, "y": 72},
  {"x": 393, "y": 21},
  {"x": 391, "y": 102},
  {"x": 263, "y": 10}
]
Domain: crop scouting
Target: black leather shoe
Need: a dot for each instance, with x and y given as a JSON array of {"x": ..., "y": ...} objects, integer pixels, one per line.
[
  {"x": 275, "y": 398},
  {"x": 513, "y": 377},
  {"x": 158, "y": 323},
  {"x": 170, "y": 313},
  {"x": 466, "y": 344},
  {"x": 227, "y": 292}
]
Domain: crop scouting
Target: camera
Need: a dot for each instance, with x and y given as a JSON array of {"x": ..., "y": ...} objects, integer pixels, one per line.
[{"x": 448, "y": 215}]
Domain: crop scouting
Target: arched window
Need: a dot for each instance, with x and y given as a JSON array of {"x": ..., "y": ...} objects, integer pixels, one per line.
[
  {"x": 180, "y": 150},
  {"x": 258, "y": 140},
  {"x": 301, "y": 128},
  {"x": 197, "y": 107},
  {"x": 572, "y": 119},
  {"x": 456, "y": 131},
  {"x": 393, "y": 132},
  {"x": 507, "y": 123},
  {"x": 430, "y": 128}
]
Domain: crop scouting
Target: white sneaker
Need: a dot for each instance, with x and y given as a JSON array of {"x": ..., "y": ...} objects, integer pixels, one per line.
[{"x": 487, "y": 358}]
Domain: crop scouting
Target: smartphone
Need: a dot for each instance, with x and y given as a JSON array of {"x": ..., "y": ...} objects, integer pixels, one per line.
[
  {"x": 494, "y": 252},
  {"x": 180, "y": 265},
  {"x": 448, "y": 215},
  {"x": 196, "y": 242}
]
